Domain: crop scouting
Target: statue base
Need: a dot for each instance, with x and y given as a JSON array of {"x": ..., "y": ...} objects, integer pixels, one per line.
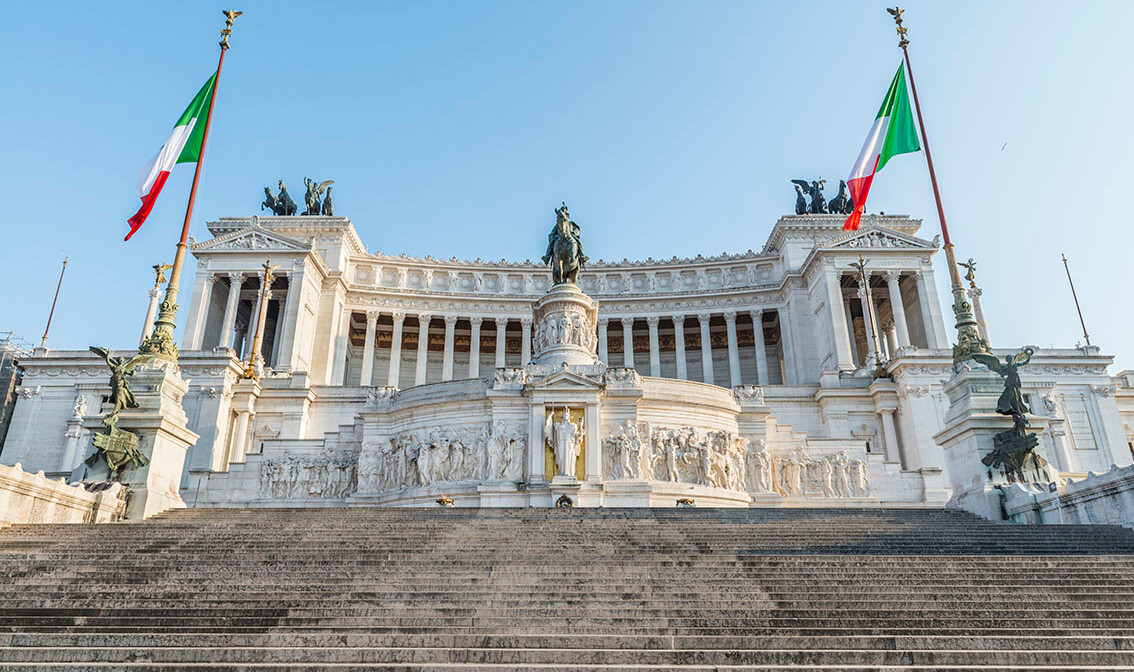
[
  {"x": 972, "y": 432},
  {"x": 161, "y": 426},
  {"x": 566, "y": 321}
]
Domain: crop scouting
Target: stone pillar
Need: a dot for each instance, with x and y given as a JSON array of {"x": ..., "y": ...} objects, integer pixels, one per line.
[
  {"x": 201, "y": 316},
  {"x": 593, "y": 459},
  {"x": 655, "y": 347},
  {"x": 474, "y": 348},
  {"x": 603, "y": 354},
  {"x": 338, "y": 373},
  {"x": 706, "y": 349},
  {"x": 733, "y": 351},
  {"x": 868, "y": 321},
  {"x": 679, "y": 343},
  {"x": 253, "y": 322},
  {"x": 931, "y": 310},
  {"x": 787, "y": 345},
  {"x": 840, "y": 326},
  {"x": 394, "y": 378},
  {"x": 890, "y": 435},
  {"x": 892, "y": 340},
  {"x": 447, "y": 357},
  {"x": 898, "y": 308},
  {"x": 289, "y": 337},
  {"x": 501, "y": 342},
  {"x": 368, "y": 349},
  {"x": 422, "y": 348},
  {"x": 628, "y": 342},
  {"x": 851, "y": 331},
  {"x": 228, "y": 324},
  {"x": 761, "y": 348},
  {"x": 151, "y": 312},
  {"x": 277, "y": 335},
  {"x": 239, "y": 449},
  {"x": 525, "y": 341}
]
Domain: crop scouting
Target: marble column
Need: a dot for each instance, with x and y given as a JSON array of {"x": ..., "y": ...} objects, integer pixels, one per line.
[
  {"x": 501, "y": 342},
  {"x": 422, "y": 348},
  {"x": 840, "y": 326},
  {"x": 368, "y": 348},
  {"x": 342, "y": 345},
  {"x": 892, "y": 340},
  {"x": 293, "y": 321},
  {"x": 603, "y": 353},
  {"x": 393, "y": 379},
  {"x": 655, "y": 347},
  {"x": 898, "y": 308},
  {"x": 450, "y": 345},
  {"x": 890, "y": 435},
  {"x": 788, "y": 347},
  {"x": 526, "y": 341},
  {"x": 474, "y": 347},
  {"x": 733, "y": 350},
  {"x": 253, "y": 322},
  {"x": 679, "y": 344},
  {"x": 761, "y": 348},
  {"x": 228, "y": 324},
  {"x": 706, "y": 349},
  {"x": 239, "y": 448},
  {"x": 858, "y": 360},
  {"x": 277, "y": 334},
  {"x": 628, "y": 342},
  {"x": 978, "y": 312},
  {"x": 196, "y": 324},
  {"x": 151, "y": 312},
  {"x": 868, "y": 322},
  {"x": 930, "y": 310}
]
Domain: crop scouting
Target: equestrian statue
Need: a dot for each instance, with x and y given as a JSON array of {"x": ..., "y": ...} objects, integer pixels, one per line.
[{"x": 564, "y": 249}]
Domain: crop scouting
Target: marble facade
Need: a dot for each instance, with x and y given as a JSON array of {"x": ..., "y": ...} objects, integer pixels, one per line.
[{"x": 738, "y": 380}]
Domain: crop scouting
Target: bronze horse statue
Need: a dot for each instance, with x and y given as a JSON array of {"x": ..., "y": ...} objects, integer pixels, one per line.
[{"x": 564, "y": 249}]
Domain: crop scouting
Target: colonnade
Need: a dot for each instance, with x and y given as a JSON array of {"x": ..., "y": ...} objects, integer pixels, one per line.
[
  {"x": 236, "y": 327},
  {"x": 692, "y": 328}
]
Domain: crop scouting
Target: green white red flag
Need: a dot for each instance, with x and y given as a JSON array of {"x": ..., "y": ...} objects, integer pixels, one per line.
[
  {"x": 182, "y": 146},
  {"x": 892, "y": 133}
]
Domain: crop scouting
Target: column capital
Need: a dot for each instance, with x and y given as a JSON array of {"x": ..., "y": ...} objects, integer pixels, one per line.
[
  {"x": 678, "y": 320},
  {"x": 235, "y": 275},
  {"x": 211, "y": 278},
  {"x": 704, "y": 318},
  {"x": 398, "y": 317},
  {"x": 627, "y": 322},
  {"x": 424, "y": 318},
  {"x": 602, "y": 322},
  {"x": 893, "y": 276},
  {"x": 526, "y": 322},
  {"x": 886, "y": 411},
  {"x": 450, "y": 320},
  {"x": 653, "y": 321},
  {"x": 730, "y": 316},
  {"x": 475, "y": 322},
  {"x": 371, "y": 317},
  {"x": 757, "y": 314}
]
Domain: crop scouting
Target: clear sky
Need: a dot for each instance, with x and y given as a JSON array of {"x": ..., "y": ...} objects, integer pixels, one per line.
[{"x": 670, "y": 128}]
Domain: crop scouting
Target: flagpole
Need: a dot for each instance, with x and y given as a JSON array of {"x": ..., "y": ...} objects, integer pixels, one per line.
[
  {"x": 161, "y": 342},
  {"x": 1074, "y": 296},
  {"x": 43, "y": 343},
  {"x": 969, "y": 340}
]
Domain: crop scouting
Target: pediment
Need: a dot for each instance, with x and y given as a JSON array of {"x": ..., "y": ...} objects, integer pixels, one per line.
[
  {"x": 565, "y": 380},
  {"x": 875, "y": 238},
  {"x": 251, "y": 239}
]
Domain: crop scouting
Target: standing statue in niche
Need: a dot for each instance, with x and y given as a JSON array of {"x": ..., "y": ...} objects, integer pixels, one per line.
[
  {"x": 314, "y": 194},
  {"x": 566, "y": 440},
  {"x": 564, "y": 249},
  {"x": 818, "y": 204},
  {"x": 1014, "y": 449}
]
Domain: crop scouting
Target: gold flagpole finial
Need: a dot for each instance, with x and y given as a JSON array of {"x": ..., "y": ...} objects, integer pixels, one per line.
[
  {"x": 896, "y": 12},
  {"x": 229, "y": 19}
]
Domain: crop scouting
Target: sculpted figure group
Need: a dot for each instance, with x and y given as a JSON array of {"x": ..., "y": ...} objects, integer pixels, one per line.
[
  {"x": 677, "y": 455},
  {"x": 569, "y": 328},
  {"x": 423, "y": 458},
  {"x": 315, "y": 202},
  {"x": 308, "y": 477},
  {"x": 818, "y": 205},
  {"x": 793, "y": 473}
]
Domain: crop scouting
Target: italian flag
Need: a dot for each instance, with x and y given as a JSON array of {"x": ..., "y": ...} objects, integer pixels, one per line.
[
  {"x": 893, "y": 133},
  {"x": 182, "y": 146}
]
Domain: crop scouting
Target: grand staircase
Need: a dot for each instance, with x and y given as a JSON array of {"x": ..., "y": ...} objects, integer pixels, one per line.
[{"x": 549, "y": 590}]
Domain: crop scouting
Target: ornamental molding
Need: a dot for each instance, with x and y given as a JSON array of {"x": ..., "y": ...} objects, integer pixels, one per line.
[
  {"x": 876, "y": 237},
  {"x": 251, "y": 239}
]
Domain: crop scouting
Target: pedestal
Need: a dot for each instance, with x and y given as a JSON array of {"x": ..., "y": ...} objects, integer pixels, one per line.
[
  {"x": 163, "y": 438},
  {"x": 565, "y": 485},
  {"x": 565, "y": 327},
  {"x": 970, "y": 425}
]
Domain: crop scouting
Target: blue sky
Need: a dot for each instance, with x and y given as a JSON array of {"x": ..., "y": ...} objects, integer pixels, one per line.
[{"x": 670, "y": 128}]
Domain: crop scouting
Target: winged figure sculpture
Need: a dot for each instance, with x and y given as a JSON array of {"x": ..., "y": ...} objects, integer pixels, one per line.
[{"x": 120, "y": 369}]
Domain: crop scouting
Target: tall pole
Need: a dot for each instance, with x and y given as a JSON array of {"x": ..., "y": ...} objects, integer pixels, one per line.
[
  {"x": 1074, "y": 296},
  {"x": 43, "y": 343},
  {"x": 969, "y": 340},
  {"x": 252, "y": 371},
  {"x": 161, "y": 342},
  {"x": 870, "y": 319}
]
